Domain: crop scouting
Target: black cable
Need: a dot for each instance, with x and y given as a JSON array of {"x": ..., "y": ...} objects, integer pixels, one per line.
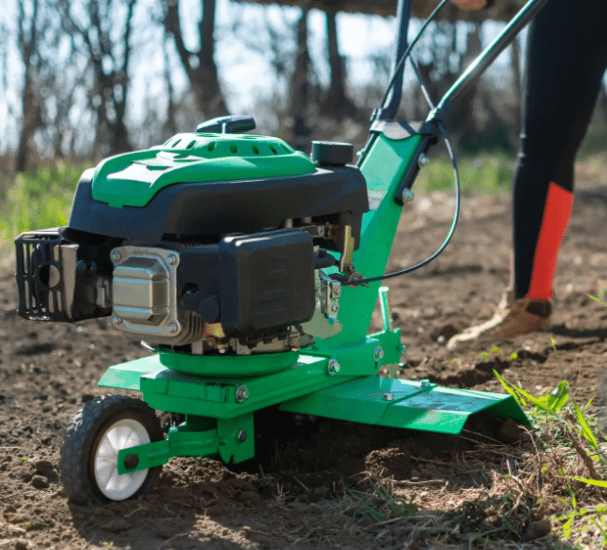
[{"x": 421, "y": 84}]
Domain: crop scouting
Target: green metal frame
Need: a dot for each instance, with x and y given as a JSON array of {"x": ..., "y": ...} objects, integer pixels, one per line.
[{"x": 335, "y": 377}]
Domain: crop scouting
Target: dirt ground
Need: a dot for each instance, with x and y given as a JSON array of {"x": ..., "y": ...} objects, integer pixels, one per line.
[{"x": 335, "y": 485}]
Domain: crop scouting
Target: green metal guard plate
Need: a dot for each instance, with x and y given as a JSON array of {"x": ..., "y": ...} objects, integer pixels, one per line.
[{"x": 405, "y": 404}]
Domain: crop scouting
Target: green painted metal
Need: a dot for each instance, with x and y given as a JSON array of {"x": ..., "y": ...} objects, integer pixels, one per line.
[
  {"x": 404, "y": 404},
  {"x": 231, "y": 447},
  {"x": 177, "y": 444},
  {"x": 384, "y": 304},
  {"x": 134, "y": 178},
  {"x": 233, "y": 440},
  {"x": 127, "y": 376},
  {"x": 383, "y": 168},
  {"x": 228, "y": 366},
  {"x": 168, "y": 389},
  {"x": 386, "y": 314},
  {"x": 217, "y": 397}
]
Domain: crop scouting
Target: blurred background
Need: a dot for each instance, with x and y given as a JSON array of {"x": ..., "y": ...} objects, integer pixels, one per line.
[{"x": 84, "y": 79}]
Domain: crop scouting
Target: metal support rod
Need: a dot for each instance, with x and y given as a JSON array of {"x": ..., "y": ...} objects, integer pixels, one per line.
[
  {"x": 390, "y": 106},
  {"x": 480, "y": 64},
  {"x": 403, "y": 13}
]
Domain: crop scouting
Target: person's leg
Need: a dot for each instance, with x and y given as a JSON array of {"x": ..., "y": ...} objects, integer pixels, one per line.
[{"x": 566, "y": 58}]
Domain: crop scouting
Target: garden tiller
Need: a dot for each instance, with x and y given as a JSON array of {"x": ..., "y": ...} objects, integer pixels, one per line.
[{"x": 252, "y": 271}]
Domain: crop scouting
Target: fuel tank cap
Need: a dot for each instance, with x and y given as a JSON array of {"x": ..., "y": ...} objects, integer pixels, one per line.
[{"x": 331, "y": 153}]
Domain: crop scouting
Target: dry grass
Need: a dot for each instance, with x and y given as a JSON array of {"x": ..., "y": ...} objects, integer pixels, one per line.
[{"x": 523, "y": 496}]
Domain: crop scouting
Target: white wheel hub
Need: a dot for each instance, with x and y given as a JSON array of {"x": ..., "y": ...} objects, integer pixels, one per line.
[{"x": 124, "y": 434}]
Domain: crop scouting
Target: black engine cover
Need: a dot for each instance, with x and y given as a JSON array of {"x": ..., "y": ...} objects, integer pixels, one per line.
[
  {"x": 184, "y": 210},
  {"x": 267, "y": 282}
]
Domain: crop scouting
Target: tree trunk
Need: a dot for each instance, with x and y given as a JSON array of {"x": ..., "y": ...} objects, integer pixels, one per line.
[
  {"x": 29, "y": 124},
  {"x": 202, "y": 74},
  {"x": 299, "y": 89},
  {"x": 28, "y": 35},
  {"x": 170, "y": 124},
  {"x": 336, "y": 104}
]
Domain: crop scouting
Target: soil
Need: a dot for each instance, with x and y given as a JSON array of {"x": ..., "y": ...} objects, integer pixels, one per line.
[{"x": 335, "y": 485}]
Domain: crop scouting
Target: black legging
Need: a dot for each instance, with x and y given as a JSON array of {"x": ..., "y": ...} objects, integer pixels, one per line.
[{"x": 566, "y": 59}]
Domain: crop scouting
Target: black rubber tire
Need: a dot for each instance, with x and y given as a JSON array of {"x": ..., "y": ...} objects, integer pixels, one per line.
[{"x": 82, "y": 439}]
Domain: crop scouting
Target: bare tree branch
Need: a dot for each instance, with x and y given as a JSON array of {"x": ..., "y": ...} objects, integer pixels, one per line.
[{"x": 202, "y": 75}]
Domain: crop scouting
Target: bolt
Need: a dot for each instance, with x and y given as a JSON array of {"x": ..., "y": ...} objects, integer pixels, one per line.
[
  {"x": 378, "y": 353},
  {"x": 173, "y": 328},
  {"x": 335, "y": 308},
  {"x": 337, "y": 291},
  {"x": 117, "y": 320},
  {"x": 423, "y": 160},
  {"x": 172, "y": 259},
  {"x": 407, "y": 195},
  {"x": 131, "y": 461},
  {"x": 388, "y": 396},
  {"x": 333, "y": 367},
  {"x": 425, "y": 383},
  {"x": 242, "y": 393},
  {"x": 116, "y": 256},
  {"x": 242, "y": 436}
]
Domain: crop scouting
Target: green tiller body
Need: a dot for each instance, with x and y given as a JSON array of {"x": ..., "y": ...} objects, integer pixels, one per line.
[{"x": 236, "y": 258}]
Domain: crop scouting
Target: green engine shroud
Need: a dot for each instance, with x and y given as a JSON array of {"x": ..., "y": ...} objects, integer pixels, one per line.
[{"x": 134, "y": 178}]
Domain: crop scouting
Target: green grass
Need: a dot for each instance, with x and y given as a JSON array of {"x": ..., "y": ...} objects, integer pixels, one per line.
[
  {"x": 37, "y": 199},
  {"x": 481, "y": 174},
  {"x": 567, "y": 432}
]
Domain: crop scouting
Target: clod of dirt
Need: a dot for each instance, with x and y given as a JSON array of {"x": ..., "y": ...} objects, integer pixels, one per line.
[
  {"x": 46, "y": 469},
  {"x": 391, "y": 462},
  {"x": 537, "y": 529},
  {"x": 442, "y": 335},
  {"x": 36, "y": 348},
  {"x": 468, "y": 377},
  {"x": 39, "y": 482},
  {"x": 509, "y": 432},
  {"x": 119, "y": 525},
  {"x": 534, "y": 356}
]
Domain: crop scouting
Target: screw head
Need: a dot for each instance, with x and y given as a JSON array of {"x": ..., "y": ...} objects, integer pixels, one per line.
[
  {"x": 407, "y": 195},
  {"x": 242, "y": 436},
  {"x": 116, "y": 256},
  {"x": 173, "y": 328},
  {"x": 388, "y": 396},
  {"x": 335, "y": 308},
  {"x": 131, "y": 461},
  {"x": 337, "y": 291},
  {"x": 423, "y": 160},
  {"x": 333, "y": 367},
  {"x": 425, "y": 383},
  {"x": 378, "y": 353},
  {"x": 242, "y": 393},
  {"x": 172, "y": 259},
  {"x": 117, "y": 320}
]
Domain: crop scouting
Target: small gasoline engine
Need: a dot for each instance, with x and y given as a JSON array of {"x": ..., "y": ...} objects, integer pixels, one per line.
[{"x": 210, "y": 243}]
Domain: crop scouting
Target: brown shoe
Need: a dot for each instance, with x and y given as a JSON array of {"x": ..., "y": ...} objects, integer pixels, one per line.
[{"x": 512, "y": 318}]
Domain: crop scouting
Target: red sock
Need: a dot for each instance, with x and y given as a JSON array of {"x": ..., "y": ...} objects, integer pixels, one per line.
[{"x": 554, "y": 223}]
